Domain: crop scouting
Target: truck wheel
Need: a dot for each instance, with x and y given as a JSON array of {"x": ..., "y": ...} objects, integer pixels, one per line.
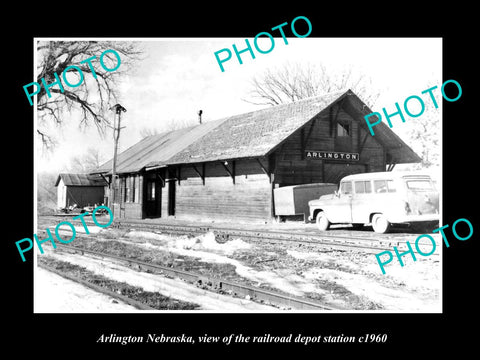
[
  {"x": 322, "y": 222},
  {"x": 380, "y": 224}
]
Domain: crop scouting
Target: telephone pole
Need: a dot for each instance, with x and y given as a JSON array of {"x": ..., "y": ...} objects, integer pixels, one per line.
[{"x": 116, "y": 135}]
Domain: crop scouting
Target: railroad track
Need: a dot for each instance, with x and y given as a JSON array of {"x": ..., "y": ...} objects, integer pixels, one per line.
[
  {"x": 325, "y": 240},
  {"x": 213, "y": 284},
  {"x": 100, "y": 289},
  {"x": 381, "y": 242}
]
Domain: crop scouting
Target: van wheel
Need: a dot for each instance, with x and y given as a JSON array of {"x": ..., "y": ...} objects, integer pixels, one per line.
[
  {"x": 380, "y": 224},
  {"x": 322, "y": 222}
]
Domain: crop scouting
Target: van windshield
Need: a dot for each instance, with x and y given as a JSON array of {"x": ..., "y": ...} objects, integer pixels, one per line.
[{"x": 419, "y": 185}]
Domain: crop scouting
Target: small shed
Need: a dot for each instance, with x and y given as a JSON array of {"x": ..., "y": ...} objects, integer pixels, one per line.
[{"x": 79, "y": 189}]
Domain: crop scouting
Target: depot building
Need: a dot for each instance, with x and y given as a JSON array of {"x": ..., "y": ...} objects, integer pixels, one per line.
[{"x": 229, "y": 168}]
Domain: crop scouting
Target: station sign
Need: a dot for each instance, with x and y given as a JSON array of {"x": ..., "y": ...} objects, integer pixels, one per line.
[{"x": 331, "y": 155}]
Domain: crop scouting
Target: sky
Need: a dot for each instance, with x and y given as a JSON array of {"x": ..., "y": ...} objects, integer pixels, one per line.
[{"x": 180, "y": 76}]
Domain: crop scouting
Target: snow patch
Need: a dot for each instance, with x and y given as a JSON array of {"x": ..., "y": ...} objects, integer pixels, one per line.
[
  {"x": 194, "y": 247},
  {"x": 203, "y": 242},
  {"x": 361, "y": 285},
  {"x": 174, "y": 288},
  {"x": 147, "y": 235},
  {"x": 55, "y": 294}
]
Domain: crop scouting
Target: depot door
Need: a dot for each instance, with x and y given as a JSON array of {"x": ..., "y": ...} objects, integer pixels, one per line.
[
  {"x": 153, "y": 198},
  {"x": 171, "y": 197}
]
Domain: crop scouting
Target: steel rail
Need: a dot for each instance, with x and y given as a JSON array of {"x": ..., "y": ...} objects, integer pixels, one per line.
[
  {"x": 213, "y": 284},
  {"x": 195, "y": 228},
  {"x": 331, "y": 241},
  {"x": 139, "y": 305},
  {"x": 339, "y": 242}
]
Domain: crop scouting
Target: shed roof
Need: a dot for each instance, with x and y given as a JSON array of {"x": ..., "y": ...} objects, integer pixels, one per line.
[
  {"x": 249, "y": 135},
  {"x": 80, "y": 180}
]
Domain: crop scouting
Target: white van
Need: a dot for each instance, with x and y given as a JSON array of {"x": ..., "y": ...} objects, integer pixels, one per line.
[{"x": 379, "y": 198}]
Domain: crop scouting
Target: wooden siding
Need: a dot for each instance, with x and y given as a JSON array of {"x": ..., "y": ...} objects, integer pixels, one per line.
[
  {"x": 246, "y": 198},
  {"x": 126, "y": 207},
  {"x": 84, "y": 195},
  {"x": 61, "y": 195},
  {"x": 334, "y": 172},
  {"x": 292, "y": 168},
  {"x": 132, "y": 211},
  {"x": 242, "y": 189}
]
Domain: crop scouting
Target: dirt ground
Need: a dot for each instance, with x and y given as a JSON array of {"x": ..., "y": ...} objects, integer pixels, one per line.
[
  {"x": 349, "y": 280},
  {"x": 55, "y": 294}
]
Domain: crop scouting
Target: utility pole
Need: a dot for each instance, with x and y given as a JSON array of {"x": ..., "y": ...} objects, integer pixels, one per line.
[{"x": 116, "y": 135}]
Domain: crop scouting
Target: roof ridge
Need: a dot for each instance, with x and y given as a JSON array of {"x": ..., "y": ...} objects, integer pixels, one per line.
[
  {"x": 338, "y": 93},
  {"x": 250, "y": 134}
]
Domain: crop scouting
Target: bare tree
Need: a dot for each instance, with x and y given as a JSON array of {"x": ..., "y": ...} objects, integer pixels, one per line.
[
  {"x": 424, "y": 134},
  {"x": 46, "y": 192},
  {"x": 425, "y": 139},
  {"x": 87, "y": 162},
  {"x": 148, "y": 131},
  {"x": 95, "y": 95},
  {"x": 293, "y": 82},
  {"x": 168, "y": 126}
]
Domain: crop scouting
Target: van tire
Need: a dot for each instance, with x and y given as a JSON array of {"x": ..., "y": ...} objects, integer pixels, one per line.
[
  {"x": 380, "y": 224},
  {"x": 322, "y": 221}
]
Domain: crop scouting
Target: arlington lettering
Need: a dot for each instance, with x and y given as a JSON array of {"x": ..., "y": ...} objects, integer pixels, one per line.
[{"x": 332, "y": 155}]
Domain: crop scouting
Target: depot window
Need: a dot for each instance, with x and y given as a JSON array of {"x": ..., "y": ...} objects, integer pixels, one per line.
[
  {"x": 151, "y": 190},
  {"x": 130, "y": 188},
  {"x": 134, "y": 189},
  {"x": 126, "y": 189},
  {"x": 343, "y": 129}
]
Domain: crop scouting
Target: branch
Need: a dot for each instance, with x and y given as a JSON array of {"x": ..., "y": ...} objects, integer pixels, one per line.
[
  {"x": 95, "y": 95},
  {"x": 47, "y": 141}
]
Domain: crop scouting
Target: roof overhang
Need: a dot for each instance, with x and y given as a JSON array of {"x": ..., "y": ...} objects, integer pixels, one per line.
[{"x": 154, "y": 167}]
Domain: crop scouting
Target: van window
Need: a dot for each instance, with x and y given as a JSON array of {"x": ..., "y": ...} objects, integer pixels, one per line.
[
  {"x": 362, "y": 187},
  {"x": 380, "y": 186},
  {"x": 419, "y": 185},
  {"x": 346, "y": 188},
  {"x": 391, "y": 186},
  {"x": 383, "y": 186}
]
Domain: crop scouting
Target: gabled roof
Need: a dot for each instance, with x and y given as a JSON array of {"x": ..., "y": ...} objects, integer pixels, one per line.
[
  {"x": 249, "y": 135},
  {"x": 254, "y": 134},
  {"x": 398, "y": 151},
  {"x": 80, "y": 180}
]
